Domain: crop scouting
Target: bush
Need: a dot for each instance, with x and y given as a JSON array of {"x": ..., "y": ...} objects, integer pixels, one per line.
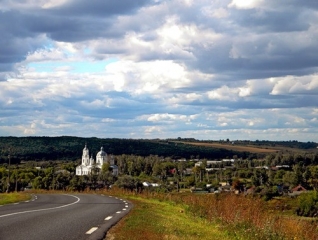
[
  {"x": 269, "y": 192},
  {"x": 308, "y": 204}
]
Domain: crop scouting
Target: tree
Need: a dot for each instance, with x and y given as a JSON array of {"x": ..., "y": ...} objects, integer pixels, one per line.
[
  {"x": 298, "y": 178},
  {"x": 260, "y": 177},
  {"x": 76, "y": 183},
  {"x": 290, "y": 179},
  {"x": 197, "y": 172},
  {"x": 105, "y": 168},
  {"x": 129, "y": 183},
  {"x": 181, "y": 168},
  {"x": 131, "y": 167},
  {"x": 156, "y": 170},
  {"x": 278, "y": 177},
  {"x": 37, "y": 183},
  {"x": 314, "y": 176}
]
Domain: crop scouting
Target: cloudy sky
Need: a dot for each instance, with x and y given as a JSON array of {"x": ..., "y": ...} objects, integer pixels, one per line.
[{"x": 207, "y": 69}]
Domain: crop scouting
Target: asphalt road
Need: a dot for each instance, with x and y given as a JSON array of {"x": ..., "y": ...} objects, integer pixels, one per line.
[{"x": 61, "y": 216}]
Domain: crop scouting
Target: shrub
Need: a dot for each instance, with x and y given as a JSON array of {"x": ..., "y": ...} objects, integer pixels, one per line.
[
  {"x": 308, "y": 204},
  {"x": 269, "y": 192}
]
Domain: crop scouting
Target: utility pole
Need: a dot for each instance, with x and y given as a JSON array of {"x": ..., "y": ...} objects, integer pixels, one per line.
[
  {"x": 16, "y": 178},
  {"x": 8, "y": 183}
]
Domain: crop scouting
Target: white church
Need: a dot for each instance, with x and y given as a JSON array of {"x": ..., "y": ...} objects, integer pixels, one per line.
[{"x": 88, "y": 163}]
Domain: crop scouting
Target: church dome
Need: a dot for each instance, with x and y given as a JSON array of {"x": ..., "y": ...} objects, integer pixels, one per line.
[{"x": 101, "y": 153}]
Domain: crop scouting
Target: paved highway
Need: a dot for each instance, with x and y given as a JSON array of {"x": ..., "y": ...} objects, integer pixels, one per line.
[{"x": 61, "y": 216}]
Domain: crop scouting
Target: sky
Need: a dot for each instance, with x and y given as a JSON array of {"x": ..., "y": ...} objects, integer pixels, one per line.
[{"x": 204, "y": 69}]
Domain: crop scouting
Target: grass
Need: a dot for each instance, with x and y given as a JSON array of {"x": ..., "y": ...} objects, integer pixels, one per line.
[
  {"x": 154, "y": 219},
  {"x": 206, "y": 216},
  {"x": 7, "y": 198}
]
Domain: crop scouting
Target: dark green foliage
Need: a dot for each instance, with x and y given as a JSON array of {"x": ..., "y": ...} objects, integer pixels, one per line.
[
  {"x": 269, "y": 192},
  {"x": 130, "y": 183},
  {"x": 70, "y": 148},
  {"x": 290, "y": 144}
]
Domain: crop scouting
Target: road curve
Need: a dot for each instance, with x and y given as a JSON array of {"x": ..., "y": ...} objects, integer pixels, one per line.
[{"x": 61, "y": 216}]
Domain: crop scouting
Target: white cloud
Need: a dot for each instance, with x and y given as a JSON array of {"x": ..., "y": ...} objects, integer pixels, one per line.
[
  {"x": 223, "y": 93},
  {"x": 245, "y": 4},
  {"x": 167, "y": 117},
  {"x": 203, "y": 69},
  {"x": 53, "y": 3},
  {"x": 150, "y": 77},
  {"x": 296, "y": 85}
]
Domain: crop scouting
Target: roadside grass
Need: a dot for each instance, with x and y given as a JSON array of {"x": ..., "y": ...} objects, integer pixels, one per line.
[
  {"x": 154, "y": 219},
  {"x": 206, "y": 216},
  {"x": 7, "y": 198}
]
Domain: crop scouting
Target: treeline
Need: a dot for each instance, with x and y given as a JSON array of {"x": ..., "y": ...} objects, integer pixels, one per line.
[
  {"x": 289, "y": 144},
  {"x": 70, "y": 148},
  {"x": 265, "y": 143}
]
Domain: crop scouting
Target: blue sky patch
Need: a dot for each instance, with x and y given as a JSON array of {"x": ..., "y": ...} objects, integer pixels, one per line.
[{"x": 75, "y": 67}]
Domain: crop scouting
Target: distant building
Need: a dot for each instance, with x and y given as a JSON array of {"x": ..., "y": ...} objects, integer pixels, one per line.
[{"x": 89, "y": 164}]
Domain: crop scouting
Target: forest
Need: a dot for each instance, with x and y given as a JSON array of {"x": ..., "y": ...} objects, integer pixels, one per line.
[{"x": 70, "y": 148}]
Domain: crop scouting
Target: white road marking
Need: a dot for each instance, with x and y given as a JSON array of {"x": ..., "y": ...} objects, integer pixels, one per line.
[
  {"x": 93, "y": 229},
  {"x": 44, "y": 209},
  {"x": 15, "y": 203},
  {"x": 108, "y": 218},
  {"x": 27, "y": 201},
  {"x": 124, "y": 209},
  {"x": 118, "y": 212}
]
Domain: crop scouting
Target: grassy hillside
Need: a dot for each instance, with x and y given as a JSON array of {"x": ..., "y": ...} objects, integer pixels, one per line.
[
  {"x": 258, "y": 147},
  {"x": 227, "y": 146}
]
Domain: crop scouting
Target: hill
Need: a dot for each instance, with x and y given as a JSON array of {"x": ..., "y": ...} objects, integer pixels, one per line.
[{"x": 70, "y": 148}]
